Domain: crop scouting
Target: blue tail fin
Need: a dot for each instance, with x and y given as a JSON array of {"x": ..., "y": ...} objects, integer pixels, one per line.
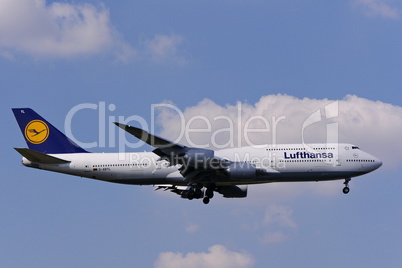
[{"x": 41, "y": 136}]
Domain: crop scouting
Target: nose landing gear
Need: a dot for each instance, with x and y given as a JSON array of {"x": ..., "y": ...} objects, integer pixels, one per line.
[{"x": 346, "y": 188}]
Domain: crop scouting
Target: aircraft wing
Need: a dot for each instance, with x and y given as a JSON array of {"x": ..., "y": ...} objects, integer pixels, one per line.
[
  {"x": 198, "y": 165},
  {"x": 173, "y": 152},
  {"x": 165, "y": 146}
]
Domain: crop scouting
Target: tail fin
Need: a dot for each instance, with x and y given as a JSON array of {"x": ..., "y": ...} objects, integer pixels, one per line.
[{"x": 41, "y": 136}]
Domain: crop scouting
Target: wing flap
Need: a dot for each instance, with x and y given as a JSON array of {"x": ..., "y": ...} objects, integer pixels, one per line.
[
  {"x": 37, "y": 157},
  {"x": 180, "y": 190}
]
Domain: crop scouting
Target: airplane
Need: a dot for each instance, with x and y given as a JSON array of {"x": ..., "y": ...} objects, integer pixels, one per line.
[{"x": 192, "y": 173}]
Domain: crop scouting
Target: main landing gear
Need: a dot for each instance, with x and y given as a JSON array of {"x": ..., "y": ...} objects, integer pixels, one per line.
[
  {"x": 209, "y": 193},
  {"x": 346, "y": 188},
  {"x": 196, "y": 191},
  {"x": 206, "y": 200}
]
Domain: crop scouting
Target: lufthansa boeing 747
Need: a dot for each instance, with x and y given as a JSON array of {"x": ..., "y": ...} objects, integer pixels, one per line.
[{"x": 188, "y": 171}]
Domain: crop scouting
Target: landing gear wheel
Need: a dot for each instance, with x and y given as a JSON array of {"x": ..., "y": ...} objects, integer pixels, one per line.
[
  {"x": 191, "y": 194},
  {"x": 197, "y": 193},
  {"x": 346, "y": 188},
  {"x": 205, "y": 200},
  {"x": 209, "y": 193}
]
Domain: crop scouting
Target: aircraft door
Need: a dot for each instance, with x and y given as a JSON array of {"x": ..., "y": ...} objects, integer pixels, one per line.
[
  {"x": 271, "y": 159},
  {"x": 338, "y": 159},
  {"x": 272, "y": 163},
  {"x": 87, "y": 166}
]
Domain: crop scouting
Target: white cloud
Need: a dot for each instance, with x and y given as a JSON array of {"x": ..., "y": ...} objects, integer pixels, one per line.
[
  {"x": 192, "y": 228},
  {"x": 58, "y": 30},
  {"x": 280, "y": 218},
  {"x": 280, "y": 215},
  {"x": 374, "y": 126},
  {"x": 379, "y": 8},
  {"x": 274, "y": 237},
  {"x": 164, "y": 48},
  {"x": 272, "y": 224},
  {"x": 217, "y": 256}
]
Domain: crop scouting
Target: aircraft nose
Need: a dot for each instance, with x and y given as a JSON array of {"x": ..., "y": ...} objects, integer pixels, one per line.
[{"x": 377, "y": 163}]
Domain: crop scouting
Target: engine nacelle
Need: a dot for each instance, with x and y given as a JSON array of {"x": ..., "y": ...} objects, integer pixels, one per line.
[
  {"x": 198, "y": 158},
  {"x": 233, "y": 191},
  {"x": 241, "y": 170}
]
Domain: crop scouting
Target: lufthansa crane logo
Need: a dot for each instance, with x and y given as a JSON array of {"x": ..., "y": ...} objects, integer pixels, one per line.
[{"x": 36, "y": 131}]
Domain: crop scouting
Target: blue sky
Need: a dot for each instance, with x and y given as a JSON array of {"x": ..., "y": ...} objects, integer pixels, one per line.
[{"x": 55, "y": 55}]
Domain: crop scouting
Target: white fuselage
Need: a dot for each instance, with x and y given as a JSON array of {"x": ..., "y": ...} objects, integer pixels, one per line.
[{"x": 288, "y": 162}]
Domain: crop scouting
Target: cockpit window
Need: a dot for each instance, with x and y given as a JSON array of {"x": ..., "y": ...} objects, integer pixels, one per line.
[{"x": 355, "y": 147}]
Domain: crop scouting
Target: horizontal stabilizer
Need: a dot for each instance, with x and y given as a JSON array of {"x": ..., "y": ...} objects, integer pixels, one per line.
[{"x": 37, "y": 157}]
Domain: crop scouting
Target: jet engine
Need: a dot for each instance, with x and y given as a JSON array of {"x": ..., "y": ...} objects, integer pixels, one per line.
[
  {"x": 233, "y": 191},
  {"x": 197, "y": 157},
  {"x": 241, "y": 170}
]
